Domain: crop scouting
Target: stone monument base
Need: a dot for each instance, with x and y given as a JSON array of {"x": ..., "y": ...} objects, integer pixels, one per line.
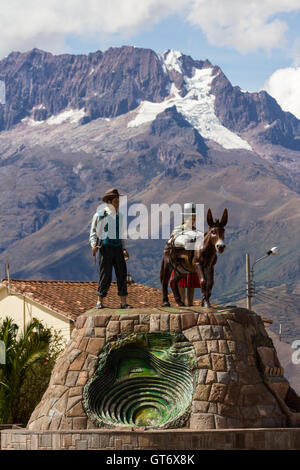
[{"x": 140, "y": 439}]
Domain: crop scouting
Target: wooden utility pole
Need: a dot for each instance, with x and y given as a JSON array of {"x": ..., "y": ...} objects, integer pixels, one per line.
[{"x": 248, "y": 281}]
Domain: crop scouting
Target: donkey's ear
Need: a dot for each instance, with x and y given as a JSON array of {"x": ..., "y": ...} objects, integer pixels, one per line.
[
  {"x": 224, "y": 218},
  {"x": 209, "y": 218}
]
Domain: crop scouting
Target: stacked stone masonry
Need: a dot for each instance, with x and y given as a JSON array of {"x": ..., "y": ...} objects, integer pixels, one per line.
[
  {"x": 231, "y": 391},
  {"x": 140, "y": 439}
]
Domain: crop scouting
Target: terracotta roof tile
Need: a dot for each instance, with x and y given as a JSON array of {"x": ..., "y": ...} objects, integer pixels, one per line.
[{"x": 72, "y": 298}]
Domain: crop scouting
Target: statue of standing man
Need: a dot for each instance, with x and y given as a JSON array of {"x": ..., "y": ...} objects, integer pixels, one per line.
[{"x": 105, "y": 237}]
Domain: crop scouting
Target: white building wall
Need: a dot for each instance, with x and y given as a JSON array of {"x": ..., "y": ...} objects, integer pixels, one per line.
[{"x": 22, "y": 309}]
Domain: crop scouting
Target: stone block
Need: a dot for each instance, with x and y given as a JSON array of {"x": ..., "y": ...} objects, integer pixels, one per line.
[
  {"x": 55, "y": 423},
  {"x": 72, "y": 401},
  {"x": 217, "y": 332},
  {"x": 188, "y": 320},
  {"x": 200, "y": 406},
  {"x": 223, "y": 348},
  {"x": 82, "y": 378},
  {"x": 73, "y": 354},
  {"x": 202, "y": 376},
  {"x": 230, "y": 365},
  {"x": 202, "y": 392},
  {"x": 212, "y": 346},
  {"x": 95, "y": 345},
  {"x": 164, "y": 322},
  {"x": 102, "y": 320},
  {"x": 212, "y": 319},
  {"x": 175, "y": 322},
  {"x": 154, "y": 323},
  {"x": 71, "y": 378},
  {"x": 79, "y": 361},
  {"x": 144, "y": 318},
  {"x": 126, "y": 326},
  {"x": 228, "y": 411},
  {"x": 100, "y": 332},
  {"x": 83, "y": 343},
  {"x": 79, "y": 423},
  {"x": 80, "y": 321},
  {"x": 202, "y": 421},
  {"x": 192, "y": 334},
  {"x": 220, "y": 319},
  {"x": 202, "y": 319},
  {"x": 59, "y": 374},
  {"x": 46, "y": 440},
  {"x": 218, "y": 362},
  {"x": 228, "y": 334},
  {"x": 211, "y": 377},
  {"x": 203, "y": 362},
  {"x": 81, "y": 444},
  {"x": 141, "y": 328},
  {"x": 212, "y": 408},
  {"x": 112, "y": 329},
  {"x": 76, "y": 410},
  {"x": 205, "y": 332},
  {"x": 59, "y": 405},
  {"x": 221, "y": 422},
  {"x": 231, "y": 346},
  {"x": 223, "y": 377},
  {"x": 280, "y": 388},
  {"x": 200, "y": 347},
  {"x": 218, "y": 392}
]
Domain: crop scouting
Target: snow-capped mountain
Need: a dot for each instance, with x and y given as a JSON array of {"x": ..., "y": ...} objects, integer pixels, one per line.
[{"x": 41, "y": 87}]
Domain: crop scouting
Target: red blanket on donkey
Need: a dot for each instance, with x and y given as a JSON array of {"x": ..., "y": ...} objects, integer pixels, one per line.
[{"x": 189, "y": 280}]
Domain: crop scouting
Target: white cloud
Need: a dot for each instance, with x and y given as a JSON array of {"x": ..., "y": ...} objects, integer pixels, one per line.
[
  {"x": 283, "y": 85},
  {"x": 49, "y": 24},
  {"x": 245, "y": 26}
]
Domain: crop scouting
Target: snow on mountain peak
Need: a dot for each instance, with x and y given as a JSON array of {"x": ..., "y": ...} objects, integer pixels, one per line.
[
  {"x": 170, "y": 60},
  {"x": 197, "y": 107}
]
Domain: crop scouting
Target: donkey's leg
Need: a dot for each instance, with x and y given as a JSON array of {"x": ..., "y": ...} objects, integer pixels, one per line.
[
  {"x": 208, "y": 273},
  {"x": 203, "y": 285},
  {"x": 175, "y": 290},
  {"x": 210, "y": 283}
]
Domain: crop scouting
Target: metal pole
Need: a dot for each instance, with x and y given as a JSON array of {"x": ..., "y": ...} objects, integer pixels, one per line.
[
  {"x": 280, "y": 332},
  {"x": 248, "y": 281}
]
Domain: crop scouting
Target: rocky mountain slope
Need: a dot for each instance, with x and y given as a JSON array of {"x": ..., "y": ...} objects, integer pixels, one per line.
[{"x": 163, "y": 129}]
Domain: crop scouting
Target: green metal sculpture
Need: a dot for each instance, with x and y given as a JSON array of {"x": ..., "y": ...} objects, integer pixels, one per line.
[{"x": 144, "y": 379}]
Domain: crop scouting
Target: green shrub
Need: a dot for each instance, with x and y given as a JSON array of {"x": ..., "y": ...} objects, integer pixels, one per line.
[{"x": 30, "y": 358}]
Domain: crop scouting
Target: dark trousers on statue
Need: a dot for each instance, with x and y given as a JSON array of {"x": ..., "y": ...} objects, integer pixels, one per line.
[{"x": 112, "y": 257}]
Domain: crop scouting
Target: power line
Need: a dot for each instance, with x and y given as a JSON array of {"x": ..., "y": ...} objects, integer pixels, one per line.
[{"x": 282, "y": 300}]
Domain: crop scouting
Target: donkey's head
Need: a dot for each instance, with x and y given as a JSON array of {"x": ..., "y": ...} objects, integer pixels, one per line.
[{"x": 216, "y": 230}]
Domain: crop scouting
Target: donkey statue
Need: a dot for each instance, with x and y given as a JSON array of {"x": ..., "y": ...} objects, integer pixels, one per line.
[{"x": 200, "y": 260}]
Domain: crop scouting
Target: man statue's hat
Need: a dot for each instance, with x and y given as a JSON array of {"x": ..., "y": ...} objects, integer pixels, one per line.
[
  {"x": 189, "y": 208},
  {"x": 110, "y": 194}
]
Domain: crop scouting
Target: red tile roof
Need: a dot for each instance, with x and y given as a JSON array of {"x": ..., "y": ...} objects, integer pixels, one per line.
[{"x": 72, "y": 298}]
